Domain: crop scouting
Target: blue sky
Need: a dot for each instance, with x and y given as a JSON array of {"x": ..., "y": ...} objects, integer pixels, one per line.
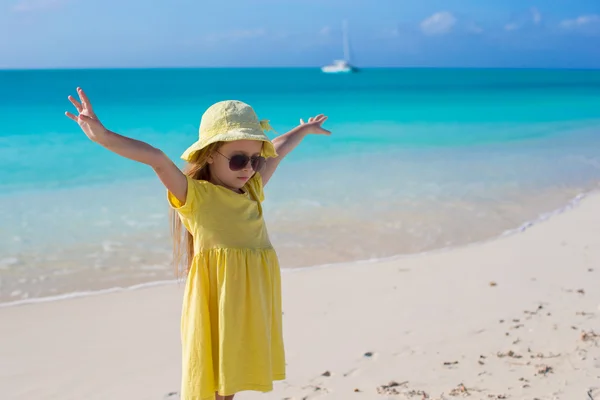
[{"x": 169, "y": 33}]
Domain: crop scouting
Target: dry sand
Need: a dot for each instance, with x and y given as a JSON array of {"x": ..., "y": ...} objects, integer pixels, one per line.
[{"x": 514, "y": 318}]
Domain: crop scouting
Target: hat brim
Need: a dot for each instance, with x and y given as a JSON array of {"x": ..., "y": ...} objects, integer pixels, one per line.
[{"x": 268, "y": 150}]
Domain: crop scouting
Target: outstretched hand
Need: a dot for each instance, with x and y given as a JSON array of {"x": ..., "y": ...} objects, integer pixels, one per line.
[
  {"x": 86, "y": 118},
  {"x": 314, "y": 125}
]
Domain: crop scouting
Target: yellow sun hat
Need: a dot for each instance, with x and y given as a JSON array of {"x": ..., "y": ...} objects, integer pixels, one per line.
[{"x": 227, "y": 121}]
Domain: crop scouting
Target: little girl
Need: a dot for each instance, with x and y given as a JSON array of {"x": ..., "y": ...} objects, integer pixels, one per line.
[{"x": 231, "y": 316}]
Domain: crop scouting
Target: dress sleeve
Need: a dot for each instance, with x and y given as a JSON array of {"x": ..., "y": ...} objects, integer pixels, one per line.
[
  {"x": 255, "y": 185},
  {"x": 195, "y": 194}
]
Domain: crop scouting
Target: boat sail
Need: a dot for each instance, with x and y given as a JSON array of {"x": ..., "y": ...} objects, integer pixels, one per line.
[{"x": 341, "y": 66}]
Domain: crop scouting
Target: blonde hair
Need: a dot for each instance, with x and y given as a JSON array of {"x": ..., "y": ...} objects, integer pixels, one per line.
[{"x": 183, "y": 241}]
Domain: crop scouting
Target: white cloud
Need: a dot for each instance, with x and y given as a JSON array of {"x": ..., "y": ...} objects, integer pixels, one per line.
[
  {"x": 438, "y": 24},
  {"x": 236, "y": 35},
  {"x": 583, "y": 20},
  {"x": 280, "y": 35},
  {"x": 474, "y": 28},
  {"x": 536, "y": 16},
  {"x": 524, "y": 20},
  {"x": 389, "y": 33},
  {"x": 37, "y": 5},
  {"x": 325, "y": 31}
]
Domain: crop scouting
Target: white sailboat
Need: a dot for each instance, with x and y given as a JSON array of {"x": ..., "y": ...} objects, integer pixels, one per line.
[{"x": 341, "y": 66}]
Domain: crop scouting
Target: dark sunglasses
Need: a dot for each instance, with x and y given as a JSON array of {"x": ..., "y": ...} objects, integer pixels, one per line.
[{"x": 239, "y": 161}]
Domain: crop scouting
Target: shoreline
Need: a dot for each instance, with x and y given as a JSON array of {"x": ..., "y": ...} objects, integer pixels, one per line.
[{"x": 543, "y": 217}]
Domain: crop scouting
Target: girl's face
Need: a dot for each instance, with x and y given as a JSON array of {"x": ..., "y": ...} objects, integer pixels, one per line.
[{"x": 220, "y": 163}]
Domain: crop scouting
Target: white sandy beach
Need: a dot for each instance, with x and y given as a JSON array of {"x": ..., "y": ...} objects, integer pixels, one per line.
[{"x": 514, "y": 318}]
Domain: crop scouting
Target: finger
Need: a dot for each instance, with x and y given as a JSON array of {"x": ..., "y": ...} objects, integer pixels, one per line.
[
  {"x": 322, "y": 118},
  {"x": 76, "y": 104},
  {"x": 72, "y": 116},
  {"x": 86, "y": 119},
  {"x": 311, "y": 119},
  {"x": 318, "y": 117},
  {"x": 301, "y": 121},
  {"x": 84, "y": 99}
]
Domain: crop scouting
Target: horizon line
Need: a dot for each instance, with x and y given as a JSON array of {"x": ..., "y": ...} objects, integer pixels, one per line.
[{"x": 290, "y": 67}]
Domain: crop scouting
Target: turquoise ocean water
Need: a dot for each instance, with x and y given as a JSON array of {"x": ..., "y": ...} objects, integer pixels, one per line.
[{"x": 420, "y": 159}]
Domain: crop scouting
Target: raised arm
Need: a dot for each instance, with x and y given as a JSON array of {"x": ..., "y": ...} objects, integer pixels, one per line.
[
  {"x": 285, "y": 143},
  {"x": 169, "y": 174}
]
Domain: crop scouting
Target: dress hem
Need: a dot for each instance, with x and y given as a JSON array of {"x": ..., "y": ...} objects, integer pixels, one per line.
[
  {"x": 233, "y": 389},
  {"x": 242, "y": 388}
]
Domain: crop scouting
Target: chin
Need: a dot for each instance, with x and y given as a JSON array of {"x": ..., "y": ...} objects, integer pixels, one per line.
[{"x": 238, "y": 183}]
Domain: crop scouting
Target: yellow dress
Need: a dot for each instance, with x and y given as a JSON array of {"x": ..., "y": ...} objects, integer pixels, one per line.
[{"x": 231, "y": 323}]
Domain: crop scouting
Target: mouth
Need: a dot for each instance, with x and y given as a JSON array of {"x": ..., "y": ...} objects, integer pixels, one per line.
[{"x": 243, "y": 178}]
